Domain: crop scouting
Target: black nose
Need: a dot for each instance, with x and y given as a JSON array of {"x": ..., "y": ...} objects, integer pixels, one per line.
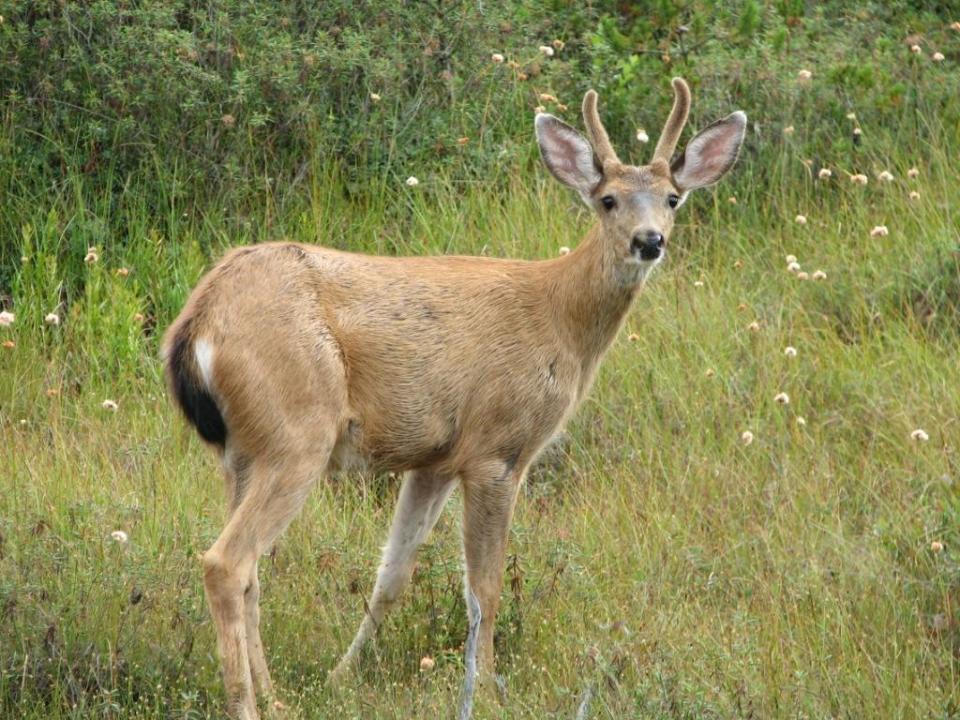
[{"x": 648, "y": 244}]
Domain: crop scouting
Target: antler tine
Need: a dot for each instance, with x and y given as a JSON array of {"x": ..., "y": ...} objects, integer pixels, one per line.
[
  {"x": 598, "y": 136},
  {"x": 674, "y": 125}
]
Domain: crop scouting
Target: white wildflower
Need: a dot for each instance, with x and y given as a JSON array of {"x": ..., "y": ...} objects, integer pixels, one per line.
[
  {"x": 919, "y": 435},
  {"x": 790, "y": 351},
  {"x": 642, "y": 135},
  {"x": 804, "y": 76},
  {"x": 7, "y": 318},
  {"x": 937, "y": 57},
  {"x": 793, "y": 267},
  {"x": 781, "y": 398},
  {"x": 746, "y": 437},
  {"x": 109, "y": 405},
  {"x": 879, "y": 231},
  {"x": 885, "y": 176},
  {"x": 824, "y": 173},
  {"x": 412, "y": 181},
  {"x": 497, "y": 58},
  {"x": 119, "y": 536},
  {"x": 546, "y": 50},
  {"x": 819, "y": 275},
  {"x": 564, "y": 250},
  {"x": 913, "y": 173},
  {"x": 52, "y": 319},
  {"x": 800, "y": 219}
]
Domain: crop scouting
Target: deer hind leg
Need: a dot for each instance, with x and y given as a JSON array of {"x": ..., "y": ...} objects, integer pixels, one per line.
[
  {"x": 422, "y": 497},
  {"x": 237, "y": 475},
  {"x": 489, "y": 494},
  {"x": 274, "y": 494},
  {"x": 262, "y": 683}
]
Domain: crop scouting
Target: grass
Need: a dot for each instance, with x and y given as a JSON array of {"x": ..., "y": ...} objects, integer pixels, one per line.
[{"x": 655, "y": 557}]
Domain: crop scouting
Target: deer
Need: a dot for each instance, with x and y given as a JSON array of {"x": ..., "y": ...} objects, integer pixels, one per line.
[{"x": 293, "y": 361}]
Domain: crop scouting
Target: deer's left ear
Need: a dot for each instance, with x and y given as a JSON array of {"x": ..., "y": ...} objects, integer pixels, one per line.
[{"x": 710, "y": 154}]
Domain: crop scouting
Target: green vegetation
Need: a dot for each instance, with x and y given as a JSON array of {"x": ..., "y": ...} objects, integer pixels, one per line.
[{"x": 657, "y": 557}]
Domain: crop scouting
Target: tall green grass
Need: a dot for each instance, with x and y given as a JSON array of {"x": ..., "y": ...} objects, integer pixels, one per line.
[{"x": 656, "y": 559}]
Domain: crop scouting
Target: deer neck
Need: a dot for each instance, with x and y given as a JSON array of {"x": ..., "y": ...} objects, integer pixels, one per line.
[{"x": 592, "y": 297}]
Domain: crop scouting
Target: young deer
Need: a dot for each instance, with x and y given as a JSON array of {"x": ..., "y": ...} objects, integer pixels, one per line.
[{"x": 294, "y": 360}]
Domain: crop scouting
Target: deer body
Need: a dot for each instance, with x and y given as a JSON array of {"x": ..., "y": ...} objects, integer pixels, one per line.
[{"x": 296, "y": 360}]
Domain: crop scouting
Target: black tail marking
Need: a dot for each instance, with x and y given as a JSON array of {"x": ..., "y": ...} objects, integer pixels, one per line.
[{"x": 197, "y": 404}]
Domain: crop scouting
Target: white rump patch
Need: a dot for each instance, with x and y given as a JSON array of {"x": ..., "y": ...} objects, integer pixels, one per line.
[{"x": 203, "y": 351}]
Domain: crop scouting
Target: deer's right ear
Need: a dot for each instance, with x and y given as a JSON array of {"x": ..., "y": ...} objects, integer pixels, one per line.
[{"x": 567, "y": 155}]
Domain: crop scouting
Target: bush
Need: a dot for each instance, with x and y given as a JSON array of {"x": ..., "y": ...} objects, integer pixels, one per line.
[{"x": 228, "y": 111}]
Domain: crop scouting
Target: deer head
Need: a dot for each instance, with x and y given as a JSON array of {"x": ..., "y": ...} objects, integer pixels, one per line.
[{"x": 636, "y": 205}]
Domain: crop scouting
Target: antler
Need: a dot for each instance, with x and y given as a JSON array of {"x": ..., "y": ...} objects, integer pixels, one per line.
[
  {"x": 598, "y": 136},
  {"x": 674, "y": 126}
]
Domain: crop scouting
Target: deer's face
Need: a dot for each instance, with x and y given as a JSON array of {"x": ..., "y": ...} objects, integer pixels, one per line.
[{"x": 636, "y": 205}]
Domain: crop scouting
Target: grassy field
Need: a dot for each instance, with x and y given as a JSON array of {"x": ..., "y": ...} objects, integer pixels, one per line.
[{"x": 658, "y": 559}]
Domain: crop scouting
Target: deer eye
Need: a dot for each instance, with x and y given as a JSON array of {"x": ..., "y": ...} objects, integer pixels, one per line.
[
  {"x": 673, "y": 200},
  {"x": 609, "y": 202}
]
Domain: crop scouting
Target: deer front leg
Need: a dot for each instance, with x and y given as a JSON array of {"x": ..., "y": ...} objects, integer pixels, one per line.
[
  {"x": 490, "y": 493},
  {"x": 422, "y": 496}
]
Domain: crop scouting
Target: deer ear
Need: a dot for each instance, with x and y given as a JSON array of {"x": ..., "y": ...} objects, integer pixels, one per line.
[
  {"x": 567, "y": 155},
  {"x": 710, "y": 154}
]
